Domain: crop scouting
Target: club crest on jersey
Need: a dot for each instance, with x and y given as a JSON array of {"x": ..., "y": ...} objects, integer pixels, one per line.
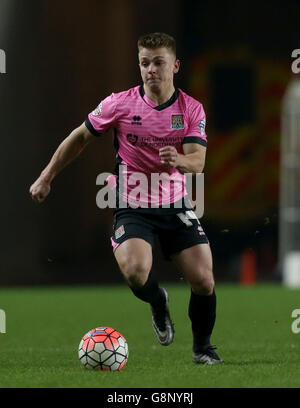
[
  {"x": 177, "y": 122},
  {"x": 98, "y": 110},
  {"x": 132, "y": 139},
  {"x": 119, "y": 232}
]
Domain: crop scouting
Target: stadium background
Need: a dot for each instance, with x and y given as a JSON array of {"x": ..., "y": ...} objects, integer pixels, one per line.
[{"x": 64, "y": 57}]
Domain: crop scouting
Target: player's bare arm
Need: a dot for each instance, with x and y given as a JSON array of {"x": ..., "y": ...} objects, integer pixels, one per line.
[
  {"x": 192, "y": 161},
  {"x": 66, "y": 152}
]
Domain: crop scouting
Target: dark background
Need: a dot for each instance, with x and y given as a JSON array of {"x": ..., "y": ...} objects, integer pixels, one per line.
[{"x": 63, "y": 57}]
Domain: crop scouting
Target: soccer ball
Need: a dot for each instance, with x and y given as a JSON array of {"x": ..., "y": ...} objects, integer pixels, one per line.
[{"x": 103, "y": 348}]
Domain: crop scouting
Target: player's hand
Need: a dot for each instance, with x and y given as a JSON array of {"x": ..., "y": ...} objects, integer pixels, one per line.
[
  {"x": 39, "y": 190},
  {"x": 169, "y": 155}
]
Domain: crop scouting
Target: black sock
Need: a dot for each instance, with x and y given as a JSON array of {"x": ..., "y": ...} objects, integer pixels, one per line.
[
  {"x": 150, "y": 292},
  {"x": 202, "y": 312}
]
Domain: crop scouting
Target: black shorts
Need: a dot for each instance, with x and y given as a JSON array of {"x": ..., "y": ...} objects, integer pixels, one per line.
[{"x": 175, "y": 231}]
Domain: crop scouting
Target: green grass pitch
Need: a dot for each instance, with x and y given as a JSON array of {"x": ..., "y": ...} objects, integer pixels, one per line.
[{"x": 44, "y": 327}]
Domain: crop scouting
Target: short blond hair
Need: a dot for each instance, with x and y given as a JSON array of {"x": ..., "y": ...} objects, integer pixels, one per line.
[{"x": 157, "y": 40}]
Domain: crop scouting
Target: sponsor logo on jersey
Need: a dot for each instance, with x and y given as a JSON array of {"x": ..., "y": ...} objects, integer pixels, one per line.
[
  {"x": 132, "y": 139},
  {"x": 202, "y": 127},
  {"x": 177, "y": 122},
  {"x": 119, "y": 232},
  {"x": 98, "y": 110}
]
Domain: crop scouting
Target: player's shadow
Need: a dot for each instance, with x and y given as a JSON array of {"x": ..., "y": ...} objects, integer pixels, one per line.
[{"x": 252, "y": 362}]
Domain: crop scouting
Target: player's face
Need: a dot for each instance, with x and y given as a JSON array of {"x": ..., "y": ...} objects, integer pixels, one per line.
[{"x": 157, "y": 67}]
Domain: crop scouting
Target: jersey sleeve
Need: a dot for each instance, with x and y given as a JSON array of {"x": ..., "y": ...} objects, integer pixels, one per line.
[
  {"x": 103, "y": 117},
  {"x": 196, "y": 127}
]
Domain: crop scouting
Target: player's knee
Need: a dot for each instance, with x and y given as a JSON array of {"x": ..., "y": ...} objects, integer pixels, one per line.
[
  {"x": 135, "y": 272},
  {"x": 204, "y": 286},
  {"x": 136, "y": 281}
]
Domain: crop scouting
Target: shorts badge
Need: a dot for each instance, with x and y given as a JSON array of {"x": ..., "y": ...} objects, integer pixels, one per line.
[
  {"x": 120, "y": 231},
  {"x": 177, "y": 122},
  {"x": 201, "y": 232}
]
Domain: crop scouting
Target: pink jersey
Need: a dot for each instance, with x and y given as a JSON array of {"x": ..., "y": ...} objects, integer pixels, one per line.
[{"x": 141, "y": 129}]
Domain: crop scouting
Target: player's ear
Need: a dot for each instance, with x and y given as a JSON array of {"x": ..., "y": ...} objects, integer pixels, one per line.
[{"x": 176, "y": 66}]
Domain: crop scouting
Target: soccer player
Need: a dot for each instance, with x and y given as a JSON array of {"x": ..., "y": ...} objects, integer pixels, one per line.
[{"x": 159, "y": 129}]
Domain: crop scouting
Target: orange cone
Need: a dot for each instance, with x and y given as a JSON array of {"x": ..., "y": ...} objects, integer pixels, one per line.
[{"x": 248, "y": 275}]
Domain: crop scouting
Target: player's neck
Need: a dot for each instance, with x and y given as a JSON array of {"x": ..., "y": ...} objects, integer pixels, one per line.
[{"x": 158, "y": 95}]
